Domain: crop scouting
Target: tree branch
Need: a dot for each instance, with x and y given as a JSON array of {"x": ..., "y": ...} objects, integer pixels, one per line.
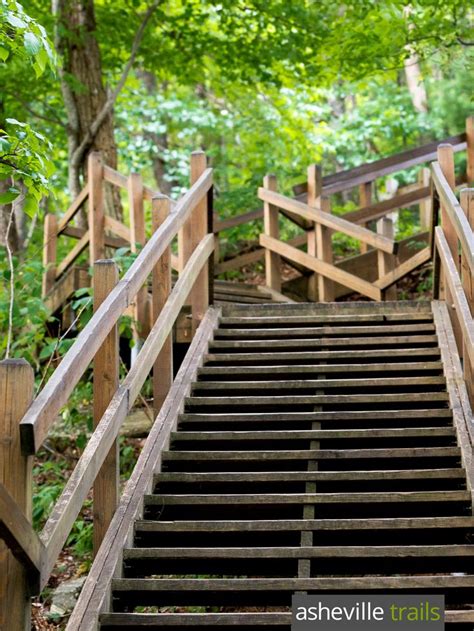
[{"x": 108, "y": 105}]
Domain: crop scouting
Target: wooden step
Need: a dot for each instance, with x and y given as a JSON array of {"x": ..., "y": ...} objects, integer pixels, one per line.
[
  {"x": 263, "y": 372},
  {"x": 305, "y": 476},
  {"x": 319, "y": 384},
  {"x": 323, "y": 399},
  {"x": 400, "y": 308},
  {"x": 310, "y": 332},
  {"x": 327, "y": 320},
  {"x": 375, "y": 583},
  {"x": 314, "y": 434},
  {"x": 271, "y": 525},
  {"x": 202, "y": 620},
  {"x": 300, "y": 552},
  {"x": 356, "y": 416},
  {"x": 315, "y": 454},
  {"x": 307, "y": 498},
  {"x": 401, "y": 353},
  {"x": 379, "y": 341}
]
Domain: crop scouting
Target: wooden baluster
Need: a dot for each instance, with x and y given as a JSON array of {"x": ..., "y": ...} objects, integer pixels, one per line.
[
  {"x": 315, "y": 186},
  {"x": 386, "y": 262},
  {"x": 49, "y": 252},
  {"x": 137, "y": 241},
  {"x": 470, "y": 149},
  {"x": 16, "y": 393},
  {"x": 95, "y": 171},
  {"x": 467, "y": 204},
  {"x": 199, "y": 222},
  {"x": 106, "y": 382},
  {"x": 161, "y": 289},
  {"x": 324, "y": 252},
  {"x": 365, "y": 199},
  {"x": 424, "y": 177},
  {"x": 271, "y": 228}
]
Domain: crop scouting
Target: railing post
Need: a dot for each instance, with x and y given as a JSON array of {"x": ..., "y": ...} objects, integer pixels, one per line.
[
  {"x": 365, "y": 199},
  {"x": 95, "y": 172},
  {"x": 137, "y": 240},
  {"x": 470, "y": 149},
  {"x": 467, "y": 204},
  {"x": 446, "y": 162},
  {"x": 315, "y": 186},
  {"x": 270, "y": 228},
  {"x": 198, "y": 228},
  {"x": 161, "y": 288},
  {"x": 16, "y": 393},
  {"x": 50, "y": 239},
  {"x": 106, "y": 382},
  {"x": 424, "y": 177},
  {"x": 386, "y": 262}
]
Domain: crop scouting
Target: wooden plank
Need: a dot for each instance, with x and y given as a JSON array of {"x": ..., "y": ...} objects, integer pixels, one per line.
[
  {"x": 110, "y": 242},
  {"x": 22, "y": 541},
  {"x": 95, "y": 175},
  {"x": 137, "y": 241},
  {"x": 311, "y": 434},
  {"x": 271, "y": 229},
  {"x": 16, "y": 392},
  {"x": 315, "y": 454},
  {"x": 114, "y": 177},
  {"x": 386, "y": 263},
  {"x": 365, "y": 199},
  {"x": 457, "y": 294},
  {"x": 73, "y": 209},
  {"x": 118, "y": 228},
  {"x": 337, "y": 224},
  {"x": 243, "y": 332},
  {"x": 95, "y": 593},
  {"x": 310, "y": 342},
  {"x": 105, "y": 384},
  {"x": 238, "y": 525},
  {"x": 267, "y": 372},
  {"x": 198, "y": 620},
  {"x": 325, "y": 269},
  {"x": 424, "y": 581},
  {"x": 252, "y": 257},
  {"x": 325, "y": 253},
  {"x": 455, "y": 214},
  {"x": 315, "y": 185},
  {"x": 198, "y": 224},
  {"x": 343, "y": 180},
  {"x": 467, "y": 204},
  {"x": 418, "y": 259},
  {"x": 161, "y": 289},
  {"x": 371, "y": 212},
  {"x": 49, "y": 253},
  {"x": 77, "y": 250},
  {"x": 424, "y": 180},
  {"x": 233, "y": 222},
  {"x": 34, "y": 426},
  {"x": 470, "y": 149}
]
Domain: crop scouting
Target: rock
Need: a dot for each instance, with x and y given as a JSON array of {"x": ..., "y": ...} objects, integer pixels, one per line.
[{"x": 65, "y": 597}]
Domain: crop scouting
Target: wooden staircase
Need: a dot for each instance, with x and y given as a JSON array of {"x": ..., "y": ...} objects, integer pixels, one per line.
[{"x": 320, "y": 449}]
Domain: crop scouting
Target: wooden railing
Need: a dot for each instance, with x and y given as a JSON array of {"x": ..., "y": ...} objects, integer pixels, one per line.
[
  {"x": 453, "y": 245},
  {"x": 25, "y": 424}
]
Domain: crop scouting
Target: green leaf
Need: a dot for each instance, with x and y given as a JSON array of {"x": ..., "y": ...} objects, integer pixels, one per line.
[
  {"x": 9, "y": 196},
  {"x": 32, "y": 43},
  {"x": 3, "y": 54},
  {"x": 30, "y": 206}
]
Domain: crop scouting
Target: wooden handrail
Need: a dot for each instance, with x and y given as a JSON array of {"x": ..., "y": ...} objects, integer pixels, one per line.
[
  {"x": 457, "y": 291},
  {"x": 330, "y": 221},
  {"x": 42, "y": 413},
  {"x": 455, "y": 213},
  {"x": 68, "y": 506},
  {"x": 73, "y": 209}
]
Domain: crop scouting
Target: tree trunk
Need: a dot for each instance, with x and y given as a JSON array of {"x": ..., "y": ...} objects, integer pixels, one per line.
[
  {"x": 76, "y": 42},
  {"x": 415, "y": 84},
  {"x": 7, "y": 212}
]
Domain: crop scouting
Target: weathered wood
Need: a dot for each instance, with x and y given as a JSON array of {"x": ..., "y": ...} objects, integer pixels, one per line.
[
  {"x": 325, "y": 253},
  {"x": 271, "y": 229},
  {"x": 199, "y": 296},
  {"x": 313, "y": 199},
  {"x": 264, "y": 331},
  {"x": 333, "y": 222},
  {"x": 470, "y": 150},
  {"x": 95, "y": 592},
  {"x": 114, "y": 177},
  {"x": 137, "y": 242},
  {"x": 49, "y": 252},
  {"x": 467, "y": 204},
  {"x": 161, "y": 289},
  {"x": 424, "y": 178},
  {"x": 16, "y": 392},
  {"x": 380, "y": 209},
  {"x": 73, "y": 209},
  {"x": 118, "y": 228},
  {"x": 77, "y": 250},
  {"x": 266, "y": 372},
  {"x": 23, "y": 542},
  {"x": 418, "y": 259},
  {"x": 34, "y": 426},
  {"x": 110, "y": 241},
  {"x": 386, "y": 262},
  {"x": 324, "y": 342},
  {"x": 95, "y": 176},
  {"x": 233, "y": 222},
  {"x": 365, "y": 199},
  {"x": 326, "y": 269},
  {"x": 456, "y": 292},
  {"x": 105, "y": 384}
]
